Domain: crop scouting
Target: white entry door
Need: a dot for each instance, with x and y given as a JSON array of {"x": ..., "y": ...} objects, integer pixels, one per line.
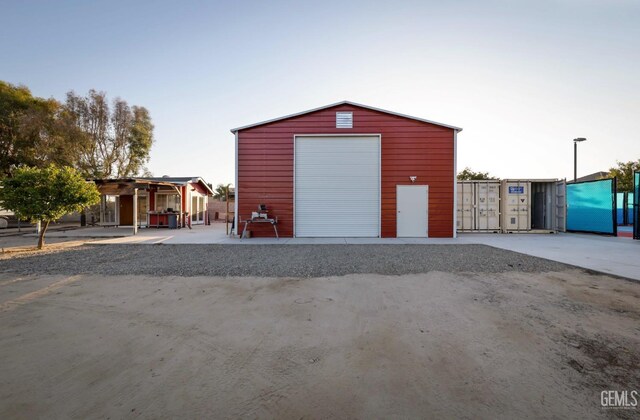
[{"x": 412, "y": 204}]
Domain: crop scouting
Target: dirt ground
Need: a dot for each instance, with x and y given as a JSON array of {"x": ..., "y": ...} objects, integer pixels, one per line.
[
  {"x": 10, "y": 241},
  {"x": 448, "y": 345}
]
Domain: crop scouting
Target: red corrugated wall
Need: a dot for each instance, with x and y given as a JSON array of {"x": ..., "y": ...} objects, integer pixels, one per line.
[{"x": 409, "y": 147}]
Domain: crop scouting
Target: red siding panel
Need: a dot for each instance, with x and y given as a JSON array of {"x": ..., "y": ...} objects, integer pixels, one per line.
[{"x": 409, "y": 148}]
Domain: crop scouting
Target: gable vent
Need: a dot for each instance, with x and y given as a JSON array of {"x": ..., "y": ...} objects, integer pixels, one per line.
[{"x": 344, "y": 119}]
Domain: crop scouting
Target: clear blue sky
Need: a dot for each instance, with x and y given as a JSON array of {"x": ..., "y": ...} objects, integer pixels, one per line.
[{"x": 522, "y": 78}]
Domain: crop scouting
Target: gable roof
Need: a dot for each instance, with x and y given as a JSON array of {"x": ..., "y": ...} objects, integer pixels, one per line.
[
  {"x": 182, "y": 180},
  {"x": 235, "y": 130},
  {"x": 591, "y": 177},
  {"x": 150, "y": 180},
  {"x": 173, "y": 179}
]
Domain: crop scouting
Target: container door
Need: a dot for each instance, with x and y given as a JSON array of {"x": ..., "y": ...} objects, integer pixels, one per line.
[
  {"x": 488, "y": 206},
  {"x": 465, "y": 219},
  {"x": 561, "y": 206},
  {"x": 517, "y": 212}
]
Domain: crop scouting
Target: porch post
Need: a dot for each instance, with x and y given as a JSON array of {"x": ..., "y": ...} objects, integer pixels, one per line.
[
  {"x": 103, "y": 200},
  {"x": 135, "y": 211}
]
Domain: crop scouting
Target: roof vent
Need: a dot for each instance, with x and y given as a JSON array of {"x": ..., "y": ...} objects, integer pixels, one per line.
[{"x": 344, "y": 119}]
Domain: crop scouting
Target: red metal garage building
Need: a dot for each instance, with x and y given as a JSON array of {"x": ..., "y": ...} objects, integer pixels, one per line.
[{"x": 348, "y": 170}]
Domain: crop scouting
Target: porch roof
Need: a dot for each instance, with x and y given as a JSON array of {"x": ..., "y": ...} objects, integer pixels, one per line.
[{"x": 124, "y": 186}]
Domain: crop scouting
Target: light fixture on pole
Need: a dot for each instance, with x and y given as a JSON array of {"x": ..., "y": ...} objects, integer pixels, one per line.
[{"x": 575, "y": 156}]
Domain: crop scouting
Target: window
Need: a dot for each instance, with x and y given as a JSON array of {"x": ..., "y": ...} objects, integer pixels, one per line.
[
  {"x": 197, "y": 208},
  {"x": 166, "y": 201},
  {"x": 194, "y": 208},
  {"x": 142, "y": 209},
  {"x": 110, "y": 209},
  {"x": 201, "y": 209}
]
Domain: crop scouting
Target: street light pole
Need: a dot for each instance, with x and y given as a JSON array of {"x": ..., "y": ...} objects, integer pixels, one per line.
[{"x": 575, "y": 156}]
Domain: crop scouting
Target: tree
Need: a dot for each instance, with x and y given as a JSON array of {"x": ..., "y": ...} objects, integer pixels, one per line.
[
  {"x": 34, "y": 131},
  {"x": 222, "y": 192},
  {"x": 468, "y": 175},
  {"x": 46, "y": 194},
  {"x": 624, "y": 174},
  {"x": 84, "y": 133},
  {"x": 119, "y": 138}
]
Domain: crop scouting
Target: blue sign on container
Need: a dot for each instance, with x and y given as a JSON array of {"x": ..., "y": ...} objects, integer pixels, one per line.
[{"x": 516, "y": 190}]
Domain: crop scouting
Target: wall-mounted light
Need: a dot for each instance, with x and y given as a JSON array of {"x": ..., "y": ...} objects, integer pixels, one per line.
[{"x": 413, "y": 178}]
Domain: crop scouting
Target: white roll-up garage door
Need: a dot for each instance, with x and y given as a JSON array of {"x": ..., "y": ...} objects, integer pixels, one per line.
[{"x": 337, "y": 186}]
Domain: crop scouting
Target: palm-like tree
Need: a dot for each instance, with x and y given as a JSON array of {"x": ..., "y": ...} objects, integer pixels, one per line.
[{"x": 222, "y": 192}]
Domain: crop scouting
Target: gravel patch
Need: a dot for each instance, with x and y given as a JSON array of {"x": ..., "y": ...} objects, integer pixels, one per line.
[{"x": 275, "y": 260}]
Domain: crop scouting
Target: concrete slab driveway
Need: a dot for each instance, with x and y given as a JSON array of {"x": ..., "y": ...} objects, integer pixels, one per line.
[
  {"x": 618, "y": 256},
  {"x": 333, "y": 331}
]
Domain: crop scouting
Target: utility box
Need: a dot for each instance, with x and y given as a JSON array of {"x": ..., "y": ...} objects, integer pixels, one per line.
[
  {"x": 478, "y": 206},
  {"x": 533, "y": 205}
]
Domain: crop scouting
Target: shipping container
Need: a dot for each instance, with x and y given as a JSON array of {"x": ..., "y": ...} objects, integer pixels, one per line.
[
  {"x": 478, "y": 206},
  {"x": 533, "y": 205}
]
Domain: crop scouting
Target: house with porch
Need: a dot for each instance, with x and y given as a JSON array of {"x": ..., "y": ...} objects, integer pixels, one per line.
[{"x": 152, "y": 202}]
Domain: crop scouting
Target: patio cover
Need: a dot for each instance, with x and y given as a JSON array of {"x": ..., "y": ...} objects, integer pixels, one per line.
[{"x": 127, "y": 186}]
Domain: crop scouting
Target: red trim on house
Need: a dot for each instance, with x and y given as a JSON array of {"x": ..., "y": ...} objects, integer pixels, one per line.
[{"x": 199, "y": 188}]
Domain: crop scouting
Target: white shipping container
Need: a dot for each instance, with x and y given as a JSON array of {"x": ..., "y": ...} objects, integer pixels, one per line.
[
  {"x": 533, "y": 205},
  {"x": 479, "y": 206},
  {"x": 512, "y": 205}
]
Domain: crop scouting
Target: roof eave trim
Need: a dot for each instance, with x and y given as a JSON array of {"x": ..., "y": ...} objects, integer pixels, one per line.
[
  {"x": 297, "y": 114},
  {"x": 206, "y": 186}
]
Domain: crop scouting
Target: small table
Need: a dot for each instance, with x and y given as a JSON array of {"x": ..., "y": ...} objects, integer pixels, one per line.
[{"x": 273, "y": 222}]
